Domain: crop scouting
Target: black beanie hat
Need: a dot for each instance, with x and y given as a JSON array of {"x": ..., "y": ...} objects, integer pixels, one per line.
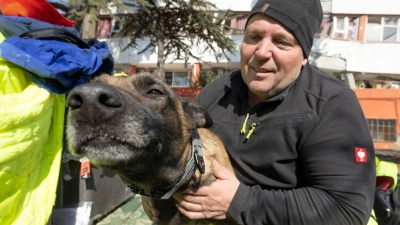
[{"x": 302, "y": 17}]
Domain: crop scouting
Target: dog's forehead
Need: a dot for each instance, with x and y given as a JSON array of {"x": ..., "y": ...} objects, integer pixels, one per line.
[{"x": 134, "y": 82}]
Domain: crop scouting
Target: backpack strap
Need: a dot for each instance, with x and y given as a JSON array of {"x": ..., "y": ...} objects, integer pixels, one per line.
[{"x": 56, "y": 34}]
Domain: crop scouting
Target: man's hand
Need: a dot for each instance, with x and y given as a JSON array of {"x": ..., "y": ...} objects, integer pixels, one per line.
[{"x": 210, "y": 201}]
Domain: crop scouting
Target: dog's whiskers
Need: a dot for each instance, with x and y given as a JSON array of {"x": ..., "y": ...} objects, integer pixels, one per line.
[
  {"x": 96, "y": 134},
  {"x": 155, "y": 136},
  {"x": 165, "y": 132}
]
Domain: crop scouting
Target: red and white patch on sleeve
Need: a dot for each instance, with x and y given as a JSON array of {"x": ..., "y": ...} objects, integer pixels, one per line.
[{"x": 361, "y": 155}]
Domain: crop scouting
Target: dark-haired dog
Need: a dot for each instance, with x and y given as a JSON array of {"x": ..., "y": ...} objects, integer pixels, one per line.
[{"x": 139, "y": 128}]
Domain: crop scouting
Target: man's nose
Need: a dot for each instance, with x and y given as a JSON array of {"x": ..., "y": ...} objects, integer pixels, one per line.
[{"x": 264, "y": 50}]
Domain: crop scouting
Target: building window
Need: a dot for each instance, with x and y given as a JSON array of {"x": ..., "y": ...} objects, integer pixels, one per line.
[
  {"x": 339, "y": 27},
  {"x": 237, "y": 24},
  {"x": 353, "y": 28},
  {"x": 103, "y": 28},
  {"x": 116, "y": 26},
  {"x": 208, "y": 75},
  {"x": 178, "y": 79},
  {"x": 383, "y": 29},
  {"x": 325, "y": 28},
  {"x": 383, "y": 129}
]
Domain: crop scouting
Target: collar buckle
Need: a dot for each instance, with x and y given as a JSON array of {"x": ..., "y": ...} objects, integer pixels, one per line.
[{"x": 199, "y": 162}]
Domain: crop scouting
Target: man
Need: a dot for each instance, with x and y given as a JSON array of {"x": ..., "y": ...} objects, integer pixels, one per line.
[{"x": 297, "y": 137}]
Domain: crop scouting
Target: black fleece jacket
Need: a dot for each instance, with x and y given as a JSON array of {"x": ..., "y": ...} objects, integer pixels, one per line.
[{"x": 297, "y": 158}]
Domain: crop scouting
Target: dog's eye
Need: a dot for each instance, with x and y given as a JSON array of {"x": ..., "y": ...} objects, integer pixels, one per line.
[{"x": 155, "y": 92}]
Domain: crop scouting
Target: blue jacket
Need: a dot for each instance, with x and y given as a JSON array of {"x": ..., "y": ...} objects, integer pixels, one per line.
[{"x": 55, "y": 65}]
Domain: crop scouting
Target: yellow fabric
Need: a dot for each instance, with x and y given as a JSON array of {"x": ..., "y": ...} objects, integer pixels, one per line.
[
  {"x": 121, "y": 74},
  {"x": 31, "y": 131},
  {"x": 387, "y": 169},
  {"x": 372, "y": 220}
]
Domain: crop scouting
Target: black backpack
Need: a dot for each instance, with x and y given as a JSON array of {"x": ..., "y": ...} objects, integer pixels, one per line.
[{"x": 387, "y": 205}]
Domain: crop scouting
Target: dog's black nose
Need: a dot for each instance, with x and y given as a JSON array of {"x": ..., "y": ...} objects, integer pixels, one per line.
[{"x": 93, "y": 102}]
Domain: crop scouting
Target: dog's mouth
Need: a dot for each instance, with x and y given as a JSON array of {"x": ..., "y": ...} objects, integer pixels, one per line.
[
  {"x": 110, "y": 150},
  {"x": 101, "y": 136}
]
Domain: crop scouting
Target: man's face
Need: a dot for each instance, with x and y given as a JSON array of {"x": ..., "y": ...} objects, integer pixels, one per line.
[{"x": 271, "y": 57}]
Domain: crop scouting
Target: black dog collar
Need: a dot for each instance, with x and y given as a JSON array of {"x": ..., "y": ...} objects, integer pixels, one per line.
[{"x": 195, "y": 160}]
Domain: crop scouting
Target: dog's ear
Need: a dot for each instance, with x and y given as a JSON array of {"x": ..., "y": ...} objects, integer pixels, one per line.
[{"x": 196, "y": 113}]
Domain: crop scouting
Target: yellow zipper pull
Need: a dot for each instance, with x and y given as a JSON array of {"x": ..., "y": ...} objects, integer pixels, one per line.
[
  {"x": 251, "y": 131},
  {"x": 243, "y": 131}
]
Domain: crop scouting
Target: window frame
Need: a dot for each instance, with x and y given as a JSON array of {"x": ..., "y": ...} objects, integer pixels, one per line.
[
  {"x": 173, "y": 80},
  {"x": 339, "y": 31},
  {"x": 382, "y": 27},
  {"x": 330, "y": 27},
  {"x": 114, "y": 23},
  {"x": 383, "y": 130}
]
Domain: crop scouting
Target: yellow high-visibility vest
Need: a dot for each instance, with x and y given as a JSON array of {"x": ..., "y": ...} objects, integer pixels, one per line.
[{"x": 31, "y": 135}]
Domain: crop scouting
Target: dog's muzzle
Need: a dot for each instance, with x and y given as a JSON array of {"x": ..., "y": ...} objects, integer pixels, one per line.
[{"x": 93, "y": 102}]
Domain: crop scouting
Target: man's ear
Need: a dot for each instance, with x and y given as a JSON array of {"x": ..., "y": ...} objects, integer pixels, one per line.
[
  {"x": 305, "y": 60},
  {"x": 196, "y": 113}
]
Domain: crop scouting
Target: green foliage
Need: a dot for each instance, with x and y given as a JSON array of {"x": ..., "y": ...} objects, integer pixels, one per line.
[
  {"x": 80, "y": 8},
  {"x": 173, "y": 27},
  {"x": 180, "y": 25},
  {"x": 206, "y": 76}
]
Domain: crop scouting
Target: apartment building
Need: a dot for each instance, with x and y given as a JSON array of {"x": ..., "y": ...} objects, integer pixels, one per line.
[{"x": 358, "y": 42}]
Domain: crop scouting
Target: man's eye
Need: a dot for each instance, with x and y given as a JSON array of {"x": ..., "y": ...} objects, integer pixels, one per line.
[
  {"x": 155, "y": 92},
  {"x": 251, "y": 39},
  {"x": 282, "y": 43}
]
